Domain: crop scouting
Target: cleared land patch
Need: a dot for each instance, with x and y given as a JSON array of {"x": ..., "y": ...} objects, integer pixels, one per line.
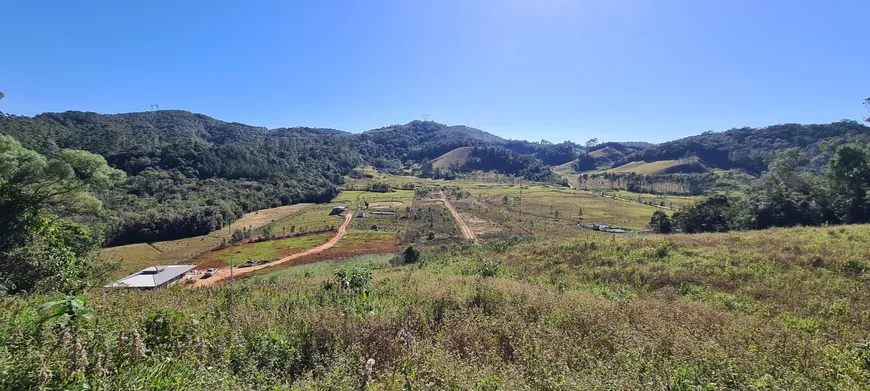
[
  {"x": 454, "y": 159},
  {"x": 550, "y": 210},
  {"x": 430, "y": 221},
  {"x": 138, "y": 256},
  {"x": 659, "y": 167},
  {"x": 354, "y": 243},
  {"x": 261, "y": 251}
]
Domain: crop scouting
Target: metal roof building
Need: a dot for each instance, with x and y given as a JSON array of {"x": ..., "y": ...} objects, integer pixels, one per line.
[{"x": 153, "y": 277}]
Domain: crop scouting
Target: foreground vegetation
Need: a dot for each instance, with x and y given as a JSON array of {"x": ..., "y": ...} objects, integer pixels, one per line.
[{"x": 776, "y": 309}]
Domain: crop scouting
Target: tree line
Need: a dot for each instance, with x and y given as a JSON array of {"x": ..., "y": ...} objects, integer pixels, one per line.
[
  {"x": 188, "y": 174},
  {"x": 784, "y": 196}
]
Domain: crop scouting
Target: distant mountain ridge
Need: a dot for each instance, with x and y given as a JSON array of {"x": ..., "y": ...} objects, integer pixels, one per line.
[
  {"x": 189, "y": 173},
  {"x": 750, "y": 149}
]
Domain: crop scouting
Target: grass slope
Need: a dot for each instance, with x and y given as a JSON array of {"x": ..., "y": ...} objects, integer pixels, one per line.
[
  {"x": 452, "y": 160},
  {"x": 783, "y": 309},
  {"x": 660, "y": 167}
]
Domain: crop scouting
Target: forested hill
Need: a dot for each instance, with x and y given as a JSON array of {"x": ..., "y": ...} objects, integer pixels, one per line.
[
  {"x": 189, "y": 173},
  {"x": 417, "y": 140},
  {"x": 753, "y": 149}
]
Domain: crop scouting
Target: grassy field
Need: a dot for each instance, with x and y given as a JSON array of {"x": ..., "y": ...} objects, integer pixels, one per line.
[
  {"x": 317, "y": 216},
  {"x": 660, "y": 167},
  {"x": 782, "y": 309},
  {"x": 398, "y": 201},
  {"x": 138, "y": 256},
  {"x": 395, "y": 181},
  {"x": 668, "y": 201},
  {"x": 551, "y": 210},
  {"x": 261, "y": 251},
  {"x": 325, "y": 268},
  {"x": 355, "y": 243}
]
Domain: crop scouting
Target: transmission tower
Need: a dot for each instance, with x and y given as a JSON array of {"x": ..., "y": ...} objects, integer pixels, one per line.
[{"x": 425, "y": 117}]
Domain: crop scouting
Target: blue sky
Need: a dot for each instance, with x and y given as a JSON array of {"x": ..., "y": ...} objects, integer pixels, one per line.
[{"x": 528, "y": 69}]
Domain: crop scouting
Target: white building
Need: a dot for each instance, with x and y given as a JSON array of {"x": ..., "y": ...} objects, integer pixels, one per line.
[{"x": 153, "y": 277}]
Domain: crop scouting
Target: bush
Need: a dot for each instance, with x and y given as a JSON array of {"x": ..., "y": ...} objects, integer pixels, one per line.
[
  {"x": 166, "y": 328},
  {"x": 661, "y": 223},
  {"x": 411, "y": 255},
  {"x": 355, "y": 280},
  {"x": 489, "y": 268},
  {"x": 856, "y": 267}
]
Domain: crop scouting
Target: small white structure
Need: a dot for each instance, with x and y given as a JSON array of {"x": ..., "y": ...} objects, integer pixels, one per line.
[{"x": 153, "y": 277}]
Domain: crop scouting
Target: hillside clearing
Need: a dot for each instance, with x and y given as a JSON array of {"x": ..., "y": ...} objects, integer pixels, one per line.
[
  {"x": 135, "y": 257},
  {"x": 658, "y": 167},
  {"x": 453, "y": 160}
]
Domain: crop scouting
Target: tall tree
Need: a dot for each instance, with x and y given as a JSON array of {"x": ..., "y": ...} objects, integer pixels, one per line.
[
  {"x": 850, "y": 170},
  {"x": 41, "y": 248}
]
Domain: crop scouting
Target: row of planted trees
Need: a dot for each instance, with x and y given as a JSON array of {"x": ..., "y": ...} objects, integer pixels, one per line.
[{"x": 679, "y": 184}]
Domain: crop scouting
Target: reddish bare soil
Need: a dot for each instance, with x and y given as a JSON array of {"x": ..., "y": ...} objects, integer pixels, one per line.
[{"x": 223, "y": 271}]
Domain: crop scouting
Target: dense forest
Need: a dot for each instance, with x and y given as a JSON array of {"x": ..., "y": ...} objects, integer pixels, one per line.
[
  {"x": 390, "y": 147},
  {"x": 786, "y": 197},
  {"x": 753, "y": 149},
  {"x": 189, "y": 174},
  {"x": 495, "y": 159}
]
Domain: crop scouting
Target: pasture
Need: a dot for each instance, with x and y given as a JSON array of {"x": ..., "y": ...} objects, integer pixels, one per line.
[
  {"x": 323, "y": 269},
  {"x": 551, "y": 210},
  {"x": 663, "y": 200},
  {"x": 317, "y": 216},
  {"x": 261, "y": 251}
]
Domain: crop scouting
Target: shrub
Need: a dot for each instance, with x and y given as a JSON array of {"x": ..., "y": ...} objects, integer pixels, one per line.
[
  {"x": 411, "y": 255},
  {"x": 489, "y": 268},
  {"x": 355, "y": 280},
  {"x": 855, "y": 267},
  {"x": 166, "y": 328}
]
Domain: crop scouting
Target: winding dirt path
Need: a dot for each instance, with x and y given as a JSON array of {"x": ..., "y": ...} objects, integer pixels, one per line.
[
  {"x": 467, "y": 233},
  {"x": 223, "y": 272}
]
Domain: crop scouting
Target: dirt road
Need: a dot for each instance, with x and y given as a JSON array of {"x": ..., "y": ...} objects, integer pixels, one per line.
[
  {"x": 467, "y": 233},
  {"x": 223, "y": 273}
]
